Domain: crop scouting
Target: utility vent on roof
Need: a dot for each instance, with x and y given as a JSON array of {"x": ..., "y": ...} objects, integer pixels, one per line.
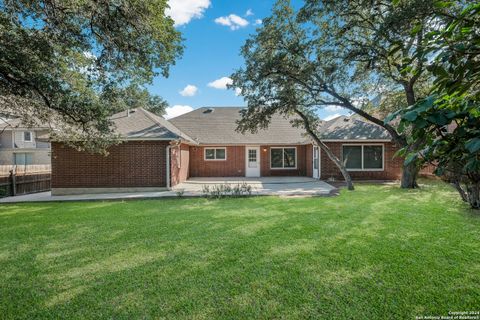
[{"x": 209, "y": 110}]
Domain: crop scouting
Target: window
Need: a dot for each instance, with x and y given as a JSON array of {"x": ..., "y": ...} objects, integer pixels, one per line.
[
  {"x": 23, "y": 159},
  {"x": 315, "y": 158},
  {"x": 363, "y": 157},
  {"x": 372, "y": 157},
  {"x": 27, "y": 136},
  {"x": 352, "y": 157},
  {"x": 252, "y": 158},
  {"x": 283, "y": 158},
  {"x": 215, "y": 154}
]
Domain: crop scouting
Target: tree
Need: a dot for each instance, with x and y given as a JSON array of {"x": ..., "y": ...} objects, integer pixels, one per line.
[
  {"x": 134, "y": 97},
  {"x": 280, "y": 78},
  {"x": 375, "y": 39},
  {"x": 447, "y": 122},
  {"x": 67, "y": 62}
]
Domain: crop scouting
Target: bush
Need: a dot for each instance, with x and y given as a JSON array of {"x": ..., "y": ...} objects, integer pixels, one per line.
[
  {"x": 180, "y": 192},
  {"x": 218, "y": 191}
]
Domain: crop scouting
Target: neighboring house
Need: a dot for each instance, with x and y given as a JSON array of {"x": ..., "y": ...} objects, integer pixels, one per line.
[
  {"x": 158, "y": 154},
  {"x": 20, "y": 145}
]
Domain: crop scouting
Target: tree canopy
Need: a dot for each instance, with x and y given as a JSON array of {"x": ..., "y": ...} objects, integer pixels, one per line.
[
  {"x": 447, "y": 122},
  {"x": 71, "y": 63},
  {"x": 340, "y": 53}
]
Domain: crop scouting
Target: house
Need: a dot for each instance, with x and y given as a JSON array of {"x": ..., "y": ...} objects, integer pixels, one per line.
[
  {"x": 157, "y": 154},
  {"x": 22, "y": 145}
]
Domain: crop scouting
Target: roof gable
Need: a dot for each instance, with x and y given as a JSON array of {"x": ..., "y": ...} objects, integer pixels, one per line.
[{"x": 142, "y": 124}]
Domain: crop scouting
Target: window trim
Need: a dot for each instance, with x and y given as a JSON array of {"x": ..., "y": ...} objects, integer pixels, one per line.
[
  {"x": 214, "y": 148},
  {"x": 23, "y": 136},
  {"x": 366, "y": 145},
  {"x": 283, "y": 159}
]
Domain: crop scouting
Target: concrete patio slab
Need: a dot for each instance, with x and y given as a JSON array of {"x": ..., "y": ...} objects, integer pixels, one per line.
[
  {"x": 280, "y": 186},
  {"x": 273, "y": 186}
]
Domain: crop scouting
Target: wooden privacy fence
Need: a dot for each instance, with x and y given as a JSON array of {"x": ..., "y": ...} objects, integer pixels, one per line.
[{"x": 24, "y": 179}]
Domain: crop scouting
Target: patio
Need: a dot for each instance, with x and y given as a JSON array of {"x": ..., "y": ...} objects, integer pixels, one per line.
[
  {"x": 273, "y": 186},
  {"x": 280, "y": 186}
]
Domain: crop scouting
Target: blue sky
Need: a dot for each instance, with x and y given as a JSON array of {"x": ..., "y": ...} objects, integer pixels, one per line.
[{"x": 214, "y": 31}]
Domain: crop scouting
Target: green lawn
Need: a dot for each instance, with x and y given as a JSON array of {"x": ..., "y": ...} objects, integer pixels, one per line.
[{"x": 376, "y": 253}]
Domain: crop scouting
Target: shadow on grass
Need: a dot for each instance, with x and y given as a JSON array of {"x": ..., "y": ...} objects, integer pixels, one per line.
[{"x": 375, "y": 252}]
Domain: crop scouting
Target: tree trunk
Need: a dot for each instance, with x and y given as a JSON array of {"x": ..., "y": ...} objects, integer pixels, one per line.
[
  {"x": 410, "y": 94},
  {"x": 409, "y": 176},
  {"x": 337, "y": 162},
  {"x": 473, "y": 192},
  {"x": 409, "y": 172},
  {"x": 470, "y": 193},
  {"x": 326, "y": 149}
]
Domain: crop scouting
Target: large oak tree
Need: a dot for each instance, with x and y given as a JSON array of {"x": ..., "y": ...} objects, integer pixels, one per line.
[
  {"x": 341, "y": 53},
  {"x": 70, "y": 63}
]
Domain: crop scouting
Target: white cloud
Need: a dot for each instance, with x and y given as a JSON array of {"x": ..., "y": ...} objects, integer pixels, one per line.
[
  {"x": 333, "y": 116},
  {"x": 220, "y": 83},
  {"x": 189, "y": 91},
  {"x": 258, "y": 22},
  {"x": 238, "y": 92},
  {"x": 233, "y": 21},
  {"x": 176, "y": 110},
  {"x": 249, "y": 13},
  {"x": 333, "y": 108},
  {"x": 182, "y": 11}
]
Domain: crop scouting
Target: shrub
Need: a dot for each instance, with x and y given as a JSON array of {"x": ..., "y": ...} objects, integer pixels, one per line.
[{"x": 218, "y": 191}]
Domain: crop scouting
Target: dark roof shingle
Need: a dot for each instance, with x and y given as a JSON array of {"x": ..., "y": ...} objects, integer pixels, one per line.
[
  {"x": 218, "y": 126},
  {"x": 349, "y": 128},
  {"x": 142, "y": 124}
]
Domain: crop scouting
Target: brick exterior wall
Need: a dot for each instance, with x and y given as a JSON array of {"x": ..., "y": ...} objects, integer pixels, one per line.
[
  {"x": 179, "y": 164},
  {"x": 392, "y": 166},
  {"x": 142, "y": 164},
  {"x": 266, "y": 171},
  {"x": 130, "y": 164},
  {"x": 233, "y": 166}
]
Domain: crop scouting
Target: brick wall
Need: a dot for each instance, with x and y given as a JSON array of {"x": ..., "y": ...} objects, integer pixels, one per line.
[
  {"x": 301, "y": 169},
  {"x": 233, "y": 166},
  {"x": 130, "y": 164},
  {"x": 179, "y": 163},
  {"x": 392, "y": 166}
]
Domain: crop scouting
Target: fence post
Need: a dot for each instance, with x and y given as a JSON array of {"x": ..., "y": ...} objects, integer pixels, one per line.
[{"x": 13, "y": 176}]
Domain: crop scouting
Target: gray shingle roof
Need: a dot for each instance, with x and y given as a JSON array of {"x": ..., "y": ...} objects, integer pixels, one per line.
[
  {"x": 349, "y": 128},
  {"x": 219, "y": 127},
  {"x": 141, "y": 124},
  {"x": 16, "y": 123}
]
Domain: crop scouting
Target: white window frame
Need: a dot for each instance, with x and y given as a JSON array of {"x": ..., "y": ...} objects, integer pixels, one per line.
[
  {"x": 215, "y": 153},
  {"x": 23, "y": 136},
  {"x": 366, "y": 145},
  {"x": 283, "y": 159}
]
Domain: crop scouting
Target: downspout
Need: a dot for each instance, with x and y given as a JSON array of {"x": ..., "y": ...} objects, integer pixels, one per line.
[{"x": 168, "y": 167}]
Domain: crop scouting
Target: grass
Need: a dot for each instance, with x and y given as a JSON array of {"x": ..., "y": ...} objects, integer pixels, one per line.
[{"x": 376, "y": 253}]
